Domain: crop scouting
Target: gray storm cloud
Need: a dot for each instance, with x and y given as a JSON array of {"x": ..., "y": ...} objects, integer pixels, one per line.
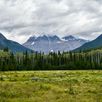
[{"x": 20, "y": 19}]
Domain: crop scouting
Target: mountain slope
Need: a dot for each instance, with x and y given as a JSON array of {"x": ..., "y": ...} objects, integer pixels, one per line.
[
  {"x": 92, "y": 44},
  {"x": 46, "y": 43},
  {"x": 70, "y": 37},
  {"x": 11, "y": 45}
]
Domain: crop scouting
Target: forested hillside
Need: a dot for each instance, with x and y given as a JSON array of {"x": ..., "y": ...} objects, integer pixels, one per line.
[
  {"x": 11, "y": 45},
  {"x": 53, "y": 61},
  {"x": 96, "y": 43}
]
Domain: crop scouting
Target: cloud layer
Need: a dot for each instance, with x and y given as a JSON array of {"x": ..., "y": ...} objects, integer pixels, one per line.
[{"x": 20, "y": 19}]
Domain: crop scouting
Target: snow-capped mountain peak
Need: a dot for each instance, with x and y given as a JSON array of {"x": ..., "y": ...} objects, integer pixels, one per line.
[
  {"x": 47, "y": 43},
  {"x": 31, "y": 39}
]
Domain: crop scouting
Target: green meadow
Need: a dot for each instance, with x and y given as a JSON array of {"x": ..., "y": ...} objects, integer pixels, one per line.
[{"x": 51, "y": 86}]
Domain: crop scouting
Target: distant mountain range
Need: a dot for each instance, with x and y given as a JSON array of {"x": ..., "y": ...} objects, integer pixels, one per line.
[
  {"x": 11, "y": 45},
  {"x": 46, "y": 43},
  {"x": 97, "y": 43}
]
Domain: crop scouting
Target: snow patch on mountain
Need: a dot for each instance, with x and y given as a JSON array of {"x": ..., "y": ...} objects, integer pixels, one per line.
[{"x": 32, "y": 43}]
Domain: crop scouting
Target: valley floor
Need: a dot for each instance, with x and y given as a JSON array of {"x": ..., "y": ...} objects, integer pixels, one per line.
[{"x": 51, "y": 86}]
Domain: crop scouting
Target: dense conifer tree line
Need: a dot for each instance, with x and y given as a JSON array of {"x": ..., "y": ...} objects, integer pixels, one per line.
[{"x": 52, "y": 61}]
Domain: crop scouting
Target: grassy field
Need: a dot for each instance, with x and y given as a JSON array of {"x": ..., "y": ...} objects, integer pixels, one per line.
[{"x": 51, "y": 86}]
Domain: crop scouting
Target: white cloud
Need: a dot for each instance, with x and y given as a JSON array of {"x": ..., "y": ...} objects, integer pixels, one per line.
[{"x": 20, "y": 19}]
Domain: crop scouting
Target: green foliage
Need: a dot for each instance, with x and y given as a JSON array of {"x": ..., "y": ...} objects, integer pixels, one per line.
[
  {"x": 52, "y": 61},
  {"x": 51, "y": 86},
  {"x": 6, "y": 49}
]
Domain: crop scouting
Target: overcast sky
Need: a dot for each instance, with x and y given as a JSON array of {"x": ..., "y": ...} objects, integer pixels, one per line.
[{"x": 20, "y": 19}]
